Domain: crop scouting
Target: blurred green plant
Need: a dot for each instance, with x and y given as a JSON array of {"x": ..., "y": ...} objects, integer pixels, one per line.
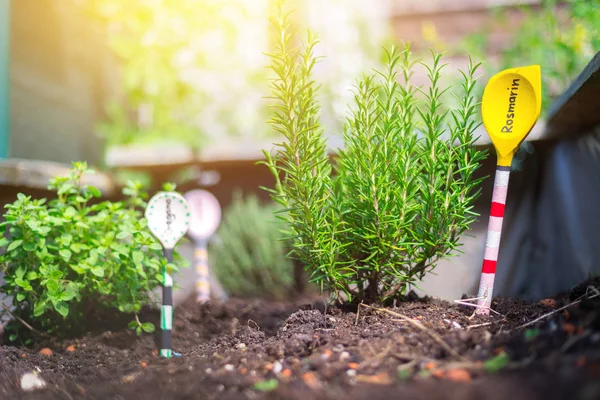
[
  {"x": 560, "y": 36},
  {"x": 404, "y": 186},
  {"x": 249, "y": 258},
  {"x": 67, "y": 259},
  {"x": 185, "y": 67}
]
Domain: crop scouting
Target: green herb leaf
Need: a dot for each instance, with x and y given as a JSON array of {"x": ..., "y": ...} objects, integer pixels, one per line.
[
  {"x": 531, "y": 334},
  {"x": 138, "y": 257},
  {"x": 497, "y": 363},
  {"x": 39, "y": 308},
  {"x": 94, "y": 191},
  {"x": 62, "y": 308},
  {"x": 267, "y": 385},
  {"x": 123, "y": 235},
  {"x": 13, "y": 245},
  {"x": 155, "y": 246},
  {"x": 65, "y": 254},
  {"x": 53, "y": 287},
  {"x": 148, "y": 327}
]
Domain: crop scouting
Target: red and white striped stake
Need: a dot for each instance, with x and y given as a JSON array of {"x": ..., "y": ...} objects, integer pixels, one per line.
[
  {"x": 510, "y": 107},
  {"x": 492, "y": 241}
]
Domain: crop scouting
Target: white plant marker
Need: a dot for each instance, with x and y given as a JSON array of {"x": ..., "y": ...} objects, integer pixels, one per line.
[
  {"x": 169, "y": 218},
  {"x": 206, "y": 216}
]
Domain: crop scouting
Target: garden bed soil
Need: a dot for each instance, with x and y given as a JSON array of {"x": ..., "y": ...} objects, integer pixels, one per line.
[{"x": 304, "y": 350}]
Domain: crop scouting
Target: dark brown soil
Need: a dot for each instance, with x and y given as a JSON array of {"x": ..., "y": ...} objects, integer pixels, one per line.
[{"x": 260, "y": 350}]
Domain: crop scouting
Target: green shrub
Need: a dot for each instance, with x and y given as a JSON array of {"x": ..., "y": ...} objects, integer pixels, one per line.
[
  {"x": 65, "y": 260},
  {"x": 403, "y": 188},
  {"x": 560, "y": 36},
  {"x": 249, "y": 259}
]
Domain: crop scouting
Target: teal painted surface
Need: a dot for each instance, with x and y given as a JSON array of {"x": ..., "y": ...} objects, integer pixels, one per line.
[{"x": 4, "y": 77}]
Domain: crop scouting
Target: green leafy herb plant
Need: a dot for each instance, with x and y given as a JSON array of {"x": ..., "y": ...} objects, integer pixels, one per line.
[
  {"x": 400, "y": 193},
  {"x": 68, "y": 259},
  {"x": 249, "y": 257}
]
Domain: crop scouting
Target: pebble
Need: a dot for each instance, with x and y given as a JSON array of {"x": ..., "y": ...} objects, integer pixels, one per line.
[
  {"x": 240, "y": 346},
  {"x": 31, "y": 381},
  {"x": 277, "y": 367},
  {"x": 344, "y": 356},
  {"x": 351, "y": 372},
  {"x": 229, "y": 367},
  {"x": 338, "y": 348},
  {"x": 208, "y": 370},
  {"x": 46, "y": 352}
]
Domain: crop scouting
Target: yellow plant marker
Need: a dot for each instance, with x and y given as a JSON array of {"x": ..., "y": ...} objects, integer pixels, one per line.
[{"x": 511, "y": 105}]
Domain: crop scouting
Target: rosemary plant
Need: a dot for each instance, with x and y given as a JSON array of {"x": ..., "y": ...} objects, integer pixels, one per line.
[{"x": 401, "y": 192}]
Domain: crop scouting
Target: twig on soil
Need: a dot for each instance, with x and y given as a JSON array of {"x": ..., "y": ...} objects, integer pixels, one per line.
[
  {"x": 357, "y": 314},
  {"x": 479, "y": 325},
  {"x": 573, "y": 340},
  {"x": 407, "y": 365},
  {"x": 592, "y": 289},
  {"x": 465, "y": 302},
  {"x": 25, "y": 324},
  {"x": 255, "y": 324},
  {"x": 423, "y": 328},
  {"x": 557, "y": 310},
  {"x": 377, "y": 358}
]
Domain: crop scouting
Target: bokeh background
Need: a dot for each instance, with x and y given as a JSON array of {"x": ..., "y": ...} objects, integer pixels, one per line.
[{"x": 174, "y": 90}]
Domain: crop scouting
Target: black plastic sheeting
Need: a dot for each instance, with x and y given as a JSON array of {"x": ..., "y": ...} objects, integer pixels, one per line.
[{"x": 551, "y": 234}]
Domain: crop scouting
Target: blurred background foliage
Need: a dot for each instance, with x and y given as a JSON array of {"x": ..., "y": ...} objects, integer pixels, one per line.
[
  {"x": 560, "y": 36},
  {"x": 248, "y": 256},
  {"x": 194, "y": 71},
  {"x": 191, "y": 69}
]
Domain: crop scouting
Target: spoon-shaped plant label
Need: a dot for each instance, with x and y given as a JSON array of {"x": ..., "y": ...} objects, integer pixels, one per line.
[
  {"x": 169, "y": 217},
  {"x": 510, "y": 107},
  {"x": 206, "y": 216}
]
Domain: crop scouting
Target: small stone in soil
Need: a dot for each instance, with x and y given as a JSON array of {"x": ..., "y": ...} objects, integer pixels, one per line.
[
  {"x": 46, "y": 352},
  {"x": 31, "y": 381}
]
